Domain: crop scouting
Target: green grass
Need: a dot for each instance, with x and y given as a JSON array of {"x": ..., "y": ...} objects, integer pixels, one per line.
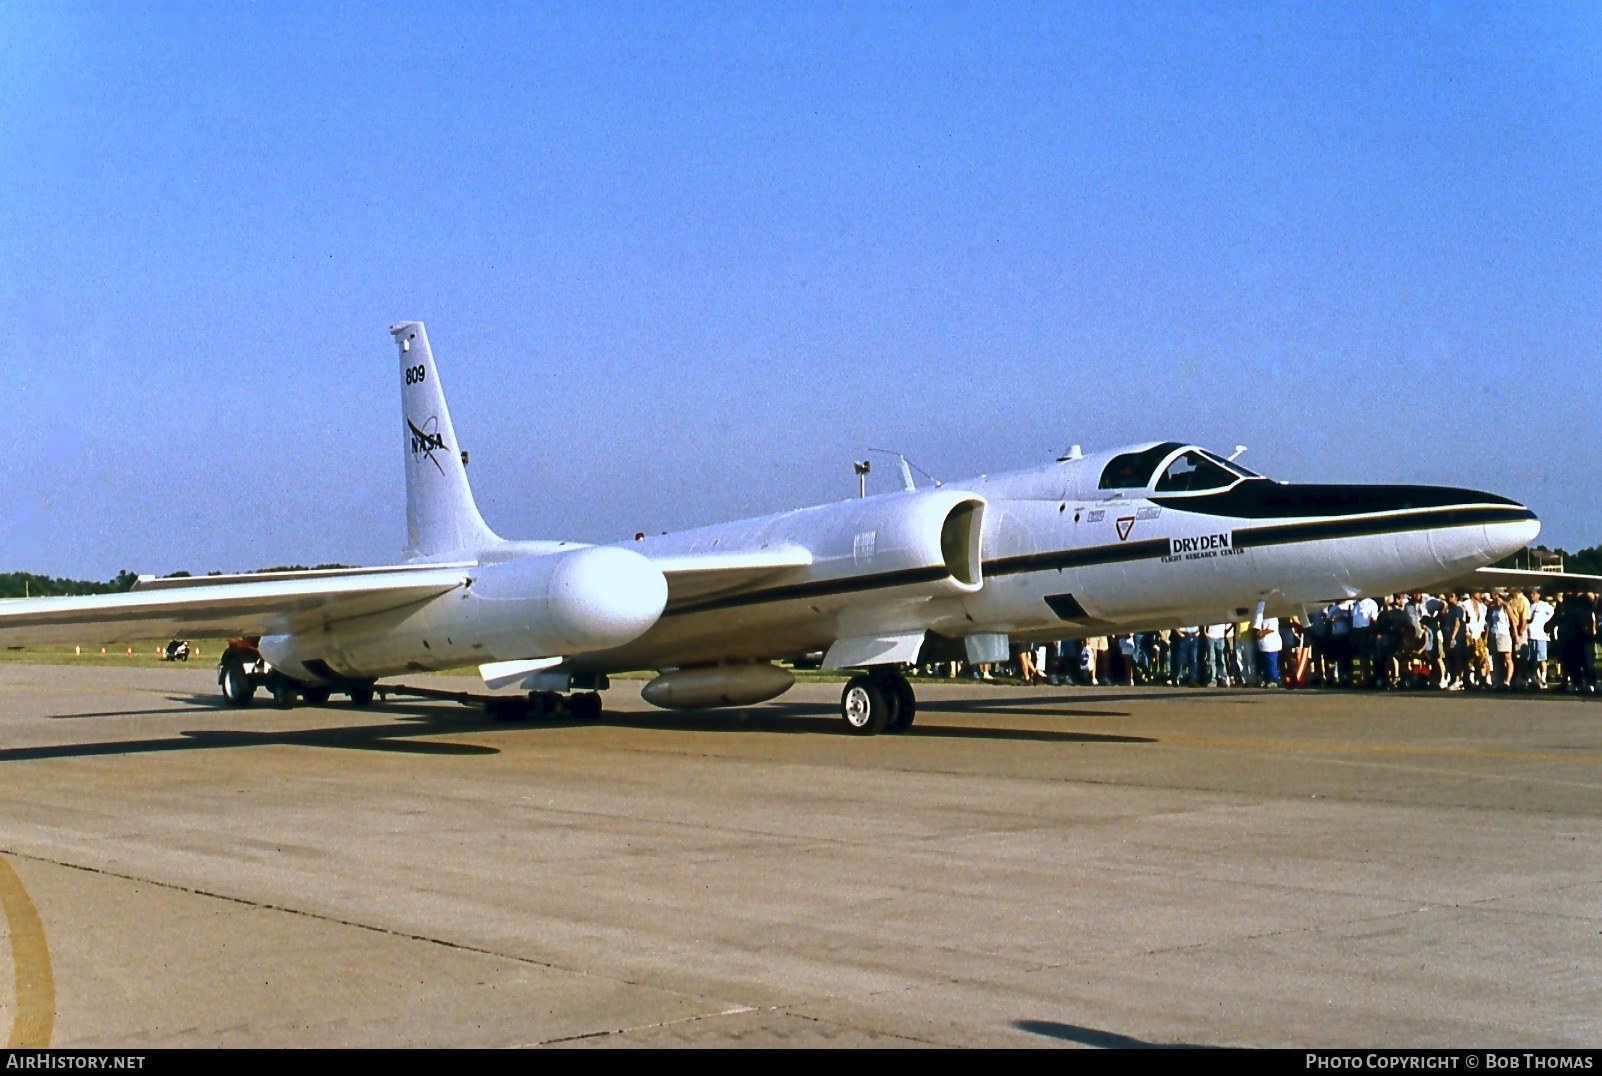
[{"x": 201, "y": 652}]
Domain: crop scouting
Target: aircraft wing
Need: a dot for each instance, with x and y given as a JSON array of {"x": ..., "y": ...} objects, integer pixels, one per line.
[
  {"x": 698, "y": 575},
  {"x": 1490, "y": 578},
  {"x": 226, "y": 606}
]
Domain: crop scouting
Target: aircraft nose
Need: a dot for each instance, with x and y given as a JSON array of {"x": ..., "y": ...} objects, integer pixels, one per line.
[
  {"x": 604, "y": 597},
  {"x": 1503, "y": 538},
  {"x": 1477, "y": 529}
]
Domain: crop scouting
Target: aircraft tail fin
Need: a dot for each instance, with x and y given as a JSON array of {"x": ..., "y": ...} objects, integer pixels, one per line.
[{"x": 441, "y": 518}]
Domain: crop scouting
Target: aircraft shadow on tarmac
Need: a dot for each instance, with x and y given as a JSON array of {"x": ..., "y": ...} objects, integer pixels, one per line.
[
  {"x": 394, "y": 736},
  {"x": 819, "y": 719},
  {"x": 425, "y": 720},
  {"x": 1089, "y": 1036},
  {"x": 1075, "y": 696}
]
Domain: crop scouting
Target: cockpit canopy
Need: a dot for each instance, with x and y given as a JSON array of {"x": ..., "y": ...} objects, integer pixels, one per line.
[{"x": 1172, "y": 467}]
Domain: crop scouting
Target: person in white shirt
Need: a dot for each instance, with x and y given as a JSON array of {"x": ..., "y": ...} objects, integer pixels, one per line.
[
  {"x": 1218, "y": 654},
  {"x": 1269, "y": 645},
  {"x": 1541, "y": 612},
  {"x": 1364, "y": 613}
]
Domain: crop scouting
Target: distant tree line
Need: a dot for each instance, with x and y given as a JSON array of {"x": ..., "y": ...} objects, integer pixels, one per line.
[
  {"x": 26, "y": 584},
  {"x": 1586, "y": 561},
  {"x": 29, "y": 585}
]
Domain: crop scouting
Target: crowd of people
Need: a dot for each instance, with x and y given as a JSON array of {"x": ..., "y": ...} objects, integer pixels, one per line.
[{"x": 1487, "y": 641}]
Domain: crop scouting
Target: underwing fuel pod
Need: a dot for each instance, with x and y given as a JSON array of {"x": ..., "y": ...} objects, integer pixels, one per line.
[{"x": 1149, "y": 536}]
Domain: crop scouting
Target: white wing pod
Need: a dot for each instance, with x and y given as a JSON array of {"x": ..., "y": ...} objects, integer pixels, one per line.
[
  {"x": 719, "y": 685},
  {"x": 568, "y": 603},
  {"x": 603, "y": 596},
  {"x": 561, "y": 603}
]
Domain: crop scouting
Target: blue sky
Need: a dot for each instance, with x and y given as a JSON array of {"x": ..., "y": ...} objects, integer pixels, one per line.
[{"x": 682, "y": 262}]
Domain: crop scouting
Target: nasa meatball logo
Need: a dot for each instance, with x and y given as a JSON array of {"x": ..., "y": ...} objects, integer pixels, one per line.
[{"x": 427, "y": 440}]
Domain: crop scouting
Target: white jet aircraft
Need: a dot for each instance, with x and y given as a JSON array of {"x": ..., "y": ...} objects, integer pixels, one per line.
[{"x": 1150, "y": 536}]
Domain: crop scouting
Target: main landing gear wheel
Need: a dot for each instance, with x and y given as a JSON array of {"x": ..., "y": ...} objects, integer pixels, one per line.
[
  {"x": 584, "y": 707},
  {"x": 284, "y": 692},
  {"x": 237, "y": 688},
  {"x": 904, "y": 704},
  {"x": 360, "y": 694},
  {"x": 316, "y": 696},
  {"x": 863, "y": 706},
  {"x": 507, "y": 709}
]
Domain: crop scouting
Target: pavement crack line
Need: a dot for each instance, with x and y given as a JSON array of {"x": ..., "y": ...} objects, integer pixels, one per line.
[
  {"x": 1163, "y": 950},
  {"x": 738, "y": 1010},
  {"x": 461, "y": 947}
]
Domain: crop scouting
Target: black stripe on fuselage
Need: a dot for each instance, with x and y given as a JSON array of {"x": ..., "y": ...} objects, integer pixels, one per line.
[
  {"x": 1360, "y": 526},
  {"x": 1248, "y": 537},
  {"x": 820, "y": 588},
  {"x": 1259, "y": 498},
  {"x": 1078, "y": 558}
]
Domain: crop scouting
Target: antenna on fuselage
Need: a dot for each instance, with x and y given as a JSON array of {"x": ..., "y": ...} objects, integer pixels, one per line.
[
  {"x": 863, "y": 468},
  {"x": 906, "y": 467},
  {"x": 1074, "y": 453},
  {"x": 1238, "y": 450}
]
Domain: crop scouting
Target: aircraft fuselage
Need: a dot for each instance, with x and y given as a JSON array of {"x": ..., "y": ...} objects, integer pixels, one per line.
[{"x": 1037, "y": 554}]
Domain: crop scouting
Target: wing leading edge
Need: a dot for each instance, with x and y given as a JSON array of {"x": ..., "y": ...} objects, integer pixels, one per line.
[
  {"x": 699, "y": 575},
  {"x": 257, "y": 605}
]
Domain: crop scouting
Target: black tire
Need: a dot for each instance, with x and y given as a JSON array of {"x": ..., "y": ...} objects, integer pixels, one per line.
[
  {"x": 316, "y": 696},
  {"x": 284, "y": 692},
  {"x": 543, "y": 705},
  {"x": 895, "y": 687},
  {"x": 892, "y": 701},
  {"x": 584, "y": 707},
  {"x": 507, "y": 709},
  {"x": 237, "y": 687},
  {"x": 360, "y": 694},
  {"x": 862, "y": 707}
]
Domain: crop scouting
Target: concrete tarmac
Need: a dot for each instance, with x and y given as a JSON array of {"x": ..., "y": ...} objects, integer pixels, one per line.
[{"x": 1026, "y": 867}]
